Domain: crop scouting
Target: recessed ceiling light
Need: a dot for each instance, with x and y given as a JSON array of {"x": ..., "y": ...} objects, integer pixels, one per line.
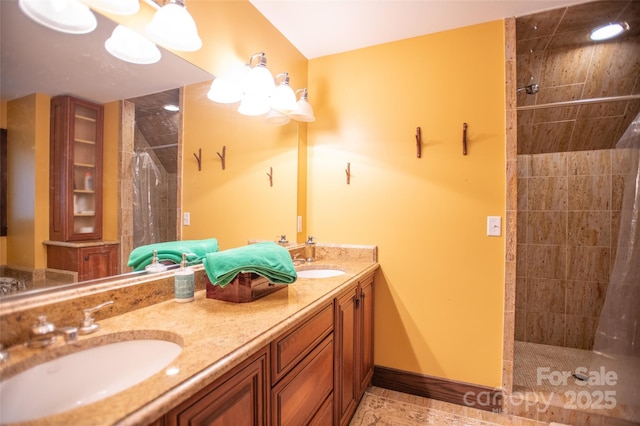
[
  {"x": 172, "y": 107},
  {"x": 608, "y": 31}
]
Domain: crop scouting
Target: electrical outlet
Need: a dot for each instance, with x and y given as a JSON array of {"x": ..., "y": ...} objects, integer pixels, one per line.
[{"x": 186, "y": 219}]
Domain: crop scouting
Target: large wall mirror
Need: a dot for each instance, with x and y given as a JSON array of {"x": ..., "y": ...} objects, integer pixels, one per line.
[{"x": 230, "y": 204}]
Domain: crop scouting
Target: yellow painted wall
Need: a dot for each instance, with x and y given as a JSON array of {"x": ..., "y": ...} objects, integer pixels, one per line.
[
  {"x": 28, "y": 187},
  {"x": 238, "y": 203},
  {"x": 439, "y": 306}
]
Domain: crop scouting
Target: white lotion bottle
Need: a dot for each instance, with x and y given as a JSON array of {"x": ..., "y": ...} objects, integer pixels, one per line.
[{"x": 184, "y": 285}]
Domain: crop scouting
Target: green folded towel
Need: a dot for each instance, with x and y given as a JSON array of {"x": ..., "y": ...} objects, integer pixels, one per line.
[
  {"x": 195, "y": 251},
  {"x": 266, "y": 259}
]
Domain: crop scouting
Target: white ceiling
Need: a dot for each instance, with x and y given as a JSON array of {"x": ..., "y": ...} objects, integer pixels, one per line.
[{"x": 324, "y": 27}]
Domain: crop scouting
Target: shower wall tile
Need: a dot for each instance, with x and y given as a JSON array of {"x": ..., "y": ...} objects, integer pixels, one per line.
[
  {"x": 568, "y": 221},
  {"x": 595, "y": 133},
  {"x": 589, "y": 192},
  {"x": 588, "y": 263},
  {"x": 589, "y": 228},
  {"x": 520, "y": 325},
  {"x": 547, "y": 227},
  {"x": 546, "y": 261},
  {"x": 521, "y": 293},
  {"x": 522, "y": 194},
  {"x": 545, "y": 295},
  {"x": 547, "y": 193},
  {"x": 580, "y": 331},
  {"x": 589, "y": 162},
  {"x": 521, "y": 260},
  {"x": 562, "y": 67},
  {"x": 585, "y": 298},
  {"x": 546, "y": 328},
  {"x": 545, "y": 165}
]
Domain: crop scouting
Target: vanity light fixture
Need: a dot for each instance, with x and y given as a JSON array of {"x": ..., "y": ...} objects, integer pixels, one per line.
[
  {"x": 605, "y": 32},
  {"x": 258, "y": 80},
  {"x": 174, "y": 28},
  {"x": 130, "y": 46},
  {"x": 303, "y": 111},
  {"x": 117, "y": 7},
  {"x": 66, "y": 16},
  {"x": 283, "y": 98},
  {"x": 254, "y": 87}
]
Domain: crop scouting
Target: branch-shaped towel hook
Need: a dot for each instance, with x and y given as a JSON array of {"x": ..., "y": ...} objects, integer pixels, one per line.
[
  {"x": 464, "y": 138},
  {"x": 270, "y": 174},
  {"x": 199, "y": 158},
  {"x": 418, "y": 142},
  {"x": 223, "y": 156},
  {"x": 348, "y": 172}
]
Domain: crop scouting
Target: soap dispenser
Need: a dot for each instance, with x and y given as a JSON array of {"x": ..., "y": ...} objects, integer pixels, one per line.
[
  {"x": 155, "y": 266},
  {"x": 310, "y": 249},
  {"x": 184, "y": 282}
]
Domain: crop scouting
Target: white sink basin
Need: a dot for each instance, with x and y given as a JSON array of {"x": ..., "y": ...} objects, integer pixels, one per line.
[
  {"x": 81, "y": 378},
  {"x": 319, "y": 273}
]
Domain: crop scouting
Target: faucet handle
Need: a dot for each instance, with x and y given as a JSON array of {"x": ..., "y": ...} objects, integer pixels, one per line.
[
  {"x": 42, "y": 327},
  {"x": 88, "y": 324}
]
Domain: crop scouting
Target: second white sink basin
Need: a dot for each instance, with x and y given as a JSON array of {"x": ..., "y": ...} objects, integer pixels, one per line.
[
  {"x": 319, "y": 273},
  {"x": 81, "y": 378}
]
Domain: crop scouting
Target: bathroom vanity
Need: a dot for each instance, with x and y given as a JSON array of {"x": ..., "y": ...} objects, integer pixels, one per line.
[{"x": 301, "y": 355}]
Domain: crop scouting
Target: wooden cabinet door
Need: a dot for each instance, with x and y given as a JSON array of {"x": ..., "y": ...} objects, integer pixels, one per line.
[
  {"x": 97, "y": 262},
  {"x": 365, "y": 339},
  {"x": 302, "y": 393},
  {"x": 240, "y": 398},
  {"x": 346, "y": 320}
]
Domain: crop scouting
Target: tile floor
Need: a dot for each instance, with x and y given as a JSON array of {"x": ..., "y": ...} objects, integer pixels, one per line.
[{"x": 382, "y": 407}]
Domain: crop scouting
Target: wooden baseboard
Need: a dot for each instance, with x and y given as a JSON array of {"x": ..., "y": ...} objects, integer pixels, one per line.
[{"x": 466, "y": 394}]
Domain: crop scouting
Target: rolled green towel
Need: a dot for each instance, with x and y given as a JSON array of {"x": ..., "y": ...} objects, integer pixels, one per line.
[
  {"x": 195, "y": 251},
  {"x": 266, "y": 259}
]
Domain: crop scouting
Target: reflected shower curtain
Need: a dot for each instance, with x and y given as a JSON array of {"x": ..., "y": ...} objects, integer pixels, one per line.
[
  {"x": 146, "y": 179},
  {"x": 617, "y": 341}
]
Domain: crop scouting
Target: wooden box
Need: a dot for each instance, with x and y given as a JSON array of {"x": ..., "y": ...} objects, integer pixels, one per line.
[{"x": 245, "y": 287}]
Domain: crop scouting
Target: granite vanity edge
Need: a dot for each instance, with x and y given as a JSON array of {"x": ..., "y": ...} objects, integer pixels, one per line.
[{"x": 149, "y": 412}]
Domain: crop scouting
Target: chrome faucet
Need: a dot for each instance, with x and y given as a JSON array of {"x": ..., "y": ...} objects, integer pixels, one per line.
[
  {"x": 44, "y": 333},
  {"x": 88, "y": 324},
  {"x": 297, "y": 260}
]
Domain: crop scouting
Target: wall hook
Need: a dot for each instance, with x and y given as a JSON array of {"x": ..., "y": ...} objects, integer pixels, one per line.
[
  {"x": 199, "y": 158},
  {"x": 223, "y": 156},
  {"x": 418, "y": 142},
  {"x": 348, "y": 172},
  {"x": 270, "y": 174},
  {"x": 464, "y": 138}
]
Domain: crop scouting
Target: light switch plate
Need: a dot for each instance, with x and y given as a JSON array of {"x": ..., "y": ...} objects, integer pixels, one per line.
[
  {"x": 494, "y": 226},
  {"x": 186, "y": 219}
]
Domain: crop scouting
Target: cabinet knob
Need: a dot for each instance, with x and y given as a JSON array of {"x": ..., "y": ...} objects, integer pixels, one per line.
[{"x": 86, "y": 257}]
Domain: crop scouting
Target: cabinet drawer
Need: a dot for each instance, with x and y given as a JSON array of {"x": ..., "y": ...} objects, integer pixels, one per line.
[
  {"x": 288, "y": 350},
  {"x": 301, "y": 395}
]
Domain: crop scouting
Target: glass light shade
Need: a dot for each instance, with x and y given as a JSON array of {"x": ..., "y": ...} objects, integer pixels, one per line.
[
  {"x": 303, "y": 112},
  {"x": 259, "y": 82},
  {"x": 174, "y": 28},
  {"x": 117, "y": 7},
  {"x": 129, "y": 46},
  {"x": 608, "y": 31},
  {"x": 225, "y": 91},
  {"x": 276, "y": 118},
  {"x": 67, "y": 16},
  {"x": 283, "y": 98},
  {"x": 254, "y": 105}
]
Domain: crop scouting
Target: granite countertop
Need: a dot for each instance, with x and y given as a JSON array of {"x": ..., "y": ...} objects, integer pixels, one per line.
[{"x": 215, "y": 336}]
